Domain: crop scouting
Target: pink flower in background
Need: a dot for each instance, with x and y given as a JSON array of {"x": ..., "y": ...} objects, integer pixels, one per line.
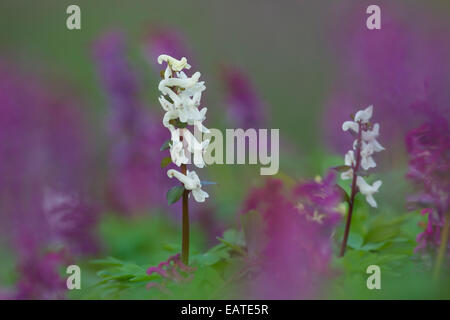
[
  {"x": 40, "y": 276},
  {"x": 400, "y": 68},
  {"x": 135, "y": 179},
  {"x": 429, "y": 166},
  {"x": 45, "y": 161},
  {"x": 245, "y": 107},
  {"x": 297, "y": 252},
  {"x": 166, "y": 41}
]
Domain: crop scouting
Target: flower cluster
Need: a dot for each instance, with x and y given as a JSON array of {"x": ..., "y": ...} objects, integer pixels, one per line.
[
  {"x": 360, "y": 158},
  {"x": 134, "y": 173},
  {"x": 398, "y": 68},
  {"x": 163, "y": 40},
  {"x": 45, "y": 172},
  {"x": 293, "y": 218},
  {"x": 245, "y": 107},
  {"x": 429, "y": 166},
  {"x": 181, "y": 100}
]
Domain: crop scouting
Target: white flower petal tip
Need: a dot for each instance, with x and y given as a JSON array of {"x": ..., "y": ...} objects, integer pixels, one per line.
[
  {"x": 368, "y": 190},
  {"x": 350, "y": 125},
  {"x": 200, "y": 195},
  {"x": 364, "y": 115},
  {"x": 175, "y": 64}
]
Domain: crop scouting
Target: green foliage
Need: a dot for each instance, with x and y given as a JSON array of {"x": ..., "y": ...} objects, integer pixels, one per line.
[
  {"x": 174, "y": 194},
  {"x": 165, "y": 161},
  {"x": 124, "y": 280},
  {"x": 386, "y": 240}
]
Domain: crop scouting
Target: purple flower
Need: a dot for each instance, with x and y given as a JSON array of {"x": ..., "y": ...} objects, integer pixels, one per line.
[
  {"x": 45, "y": 161},
  {"x": 245, "y": 107},
  {"x": 40, "y": 276},
  {"x": 398, "y": 68},
  {"x": 429, "y": 166},
  {"x": 166, "y": 41},
  {"x": 135, "y": 179},
  {"x": 298, "y": 226}
]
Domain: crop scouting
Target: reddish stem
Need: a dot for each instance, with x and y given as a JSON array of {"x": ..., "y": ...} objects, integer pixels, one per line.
[
  {"x": 354, "y": 191},
  {"x": 185, "y": 222}
]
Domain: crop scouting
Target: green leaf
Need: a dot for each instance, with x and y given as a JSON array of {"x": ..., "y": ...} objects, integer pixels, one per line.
[
  {"x": 166, "y": 145},
  {"x": 165, "y": 162},
  {"x": 343, "y": 193},
  {"x": 341, "y": 168},
  {"x": 174, "y": 194},
  {"x": 355, "y": 240}
]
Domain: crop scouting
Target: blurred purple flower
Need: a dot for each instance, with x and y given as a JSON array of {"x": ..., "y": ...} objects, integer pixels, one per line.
[
  {"x": 40, "y": 276},
  {"x": 429, "y": 169},
  {"x": 45, "y": 161},
  {"x": 298, "y": 229},
  {"x": 399, "y": 69},
  {"x": 166, "y": 41},
  {"x": 136, "y": 181},
  {"x": 245, "y": 107}
]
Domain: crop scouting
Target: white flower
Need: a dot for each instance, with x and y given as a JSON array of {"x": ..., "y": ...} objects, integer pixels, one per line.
[
  {"x": 191, "y": 182},
  {"x": 370, "y": 137},
  {"x": 368, "y": 190},
  {"x": 349, "y": 161},
  {"x": 190, "y": 144},
  {"x": 350, "y": 125},
  {"x": 166, "y": 84},
  {"x": 181, "y": 97},
  {"x": 177, "y": 149},
  {"x": 175, "y": 65},
  {"x": 195, "y": 147},
  {"x": 367, "y": 162},
  {"x": 364, "y": 115},
  {"x": 185, "y": 99}
]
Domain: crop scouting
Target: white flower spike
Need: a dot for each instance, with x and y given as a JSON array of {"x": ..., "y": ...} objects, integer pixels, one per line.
[
  {"x": 181, "y": 96},
  {"x": 366, "y": 145}
]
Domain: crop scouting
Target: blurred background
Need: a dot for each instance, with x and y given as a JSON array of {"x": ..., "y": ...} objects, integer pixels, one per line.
[{"x": 80, "y": 123}]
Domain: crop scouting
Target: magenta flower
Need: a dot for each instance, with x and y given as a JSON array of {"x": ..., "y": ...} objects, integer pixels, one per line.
[
  {"x": 297, "y": 252},
  {"x": 429, "y": 164},
  {"x": 135, "y": 179},
  {"x": 40, "y": 276},
  {"x": 166, "y": 41},
  {"x": 45, "y": 161},
  {"x": 245, "y": 107},
  {"x": 398, "y": 68}
]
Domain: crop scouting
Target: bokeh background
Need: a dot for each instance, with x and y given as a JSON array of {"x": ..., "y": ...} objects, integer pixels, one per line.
[{"x": 81, "y": 125}]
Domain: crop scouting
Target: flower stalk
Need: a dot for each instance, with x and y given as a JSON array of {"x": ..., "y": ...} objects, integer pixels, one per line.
[
  {"x": 359, "y": 159},
  {"x": 442, "y": 247},
  {"x": 180, "y": 100},
  {"x": 185, "y": 222},
  {"x": 354, "y": 191}
]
